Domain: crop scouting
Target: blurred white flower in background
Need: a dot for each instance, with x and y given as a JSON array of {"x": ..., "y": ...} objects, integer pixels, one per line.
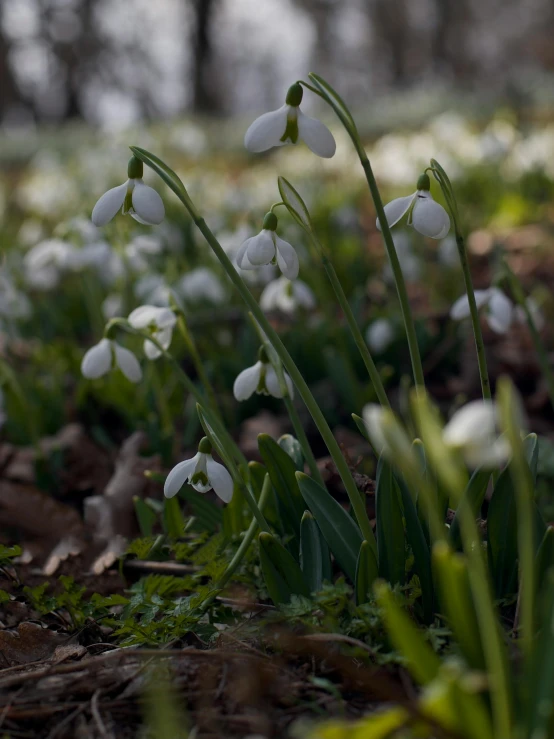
[
  {"x": 409, "y": 261},
  {"x": 284, "y": 295},
  {"x": 105, "y": 356},
  {"x": 380, "y": 335},
  {"x": 159, "y": 322},
  {"x": 112, "y": 306},
  {"x": 473, "y": 430},
  {"x": 261, "y": 379},
  {"x": 44, "y": 264},
  {"x": 497, "y": 308},
  {"x": 14, "y": 304},
  {"x": 536, "y": 313},
  {"x": 447, "y": 252},
  {"x": 152, "y": 289},
  {"x": 266, "y": 247},
  {"x": 201, "y": 285}
]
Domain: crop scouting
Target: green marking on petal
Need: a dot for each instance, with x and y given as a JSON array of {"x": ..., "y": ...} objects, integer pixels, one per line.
[{"x": 291, "y": 131}]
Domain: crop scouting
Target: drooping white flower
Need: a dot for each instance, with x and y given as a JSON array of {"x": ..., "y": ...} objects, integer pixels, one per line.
[
  {"x": 159, "y": 322},
  {"x": 261, "y": 379},
  {"x": 142, "y": 202},
  {"x": 473, "y": 430},
  {"x": 106, "y": 355},
  {"x": 203, "y": 473},
  {"x": 284, "y": 295},
  {"x": 45, "y": 263},
  {"x": 498, "y": 309},
  {"x": 289, "y": 125},
  {"x": 379, "y": 335},
  {"x": 201, "y": 285},
  {"x": 14, "y": 304},
  {"x": 424, "y": 214},
  {"x": 410, "y": 261},
  {"x": 267, "y": 246},
  {"x": 385, "y": 432}
]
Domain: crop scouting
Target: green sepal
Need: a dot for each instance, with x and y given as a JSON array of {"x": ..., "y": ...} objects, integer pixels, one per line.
[
  {"x": 282, "y": 575},
  {"x": 339, "y": 530}
]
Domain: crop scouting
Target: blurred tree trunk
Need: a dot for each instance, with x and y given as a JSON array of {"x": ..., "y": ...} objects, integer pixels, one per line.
[
  {"x": 10, "y": 94},
  {"x": 392, "y": 30},
  {"x": 204, "y": 95},
  {"x": 449, "y": 49}
]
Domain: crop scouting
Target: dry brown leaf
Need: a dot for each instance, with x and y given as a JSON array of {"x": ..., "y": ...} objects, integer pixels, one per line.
[{"x": 30, "y": 642}]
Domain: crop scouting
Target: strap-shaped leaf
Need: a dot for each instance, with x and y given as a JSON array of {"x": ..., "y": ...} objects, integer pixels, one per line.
[
  {"x": 541, "y": 688},
  {"x": 359, "y": 421},
  {"x": 366, "y": 573},
  {"x": 422, "y": 661},
  {"x": 293, "y": 448},
  {"x": 174, "y": 523},
  {"x": 420, "y": 549},
  {"x": 315, "y": 562},
  {"x": 283, "y": 577},
  {"x": 457, "y": 602},
  {"x": 146, "y": 517},
  {"x": 473, "y": 496},
  {"x": 391, "y": 540},
  {"x": 545, "y": 558},
  {"x": 281, "y": 470},
  {"x": 502, "y": 536},
  {"x": 339, "y": 530}
]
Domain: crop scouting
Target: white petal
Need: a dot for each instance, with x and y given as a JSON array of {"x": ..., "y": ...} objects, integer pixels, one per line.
[
  {"x": 430, "y": 218},
  {"x": 474, "y": 421},
  {"x": 97, "y": 360},
  {"x": 379, "y": 335},
  {"x": 127, "y": 363},
  {"x": 396, "y": 209},
  {"x": 247, "y": 382},
  {"x": 533, "y": 308},
  {"x": 373, "y": 420},
  {"x": 316, "y": 135},
  {"x": 500, "y": 311},
  {"x": 460, "y": 309},
  {"x": 261, "y": 248},
  {"x": 303, "y": 294},
  {"x": 242, "y": 256},
  {"x": 272, "y": 383},
  {"x": 108, "y": 205},
  {"x": 163, "y": 336},
  {"x": 267, "y": 130},
  {"x": 178, "y": 476},
  {"x": 268, "y": 298},
  {"x": 220, "y": 480},
  {"x": 147, "y": 204},
  {"x": 147, "y": 315},
  {"x": 287, "y": 258},
  {"x": 493, "y": 454}
]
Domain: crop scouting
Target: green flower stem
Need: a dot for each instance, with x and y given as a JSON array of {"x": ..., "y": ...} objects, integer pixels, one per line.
[
  {"x": 475, "y": 319},
  {"x": 356, "y": 333},
  {"x": 197, "y": 361},
  {"x": 524, "y": 493},
  {"x": 325, "y": 91},
  {"x": 170, "y": 178},
  {"x": 519, "y": 297},
  {"x": 303, "y": 439}
]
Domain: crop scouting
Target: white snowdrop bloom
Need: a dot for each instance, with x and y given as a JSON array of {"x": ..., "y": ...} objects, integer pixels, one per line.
[
  {"x": 261, "y": 379},
  {"x": 284, "y": 295},
  {"x": 139, "y": 249},
  {"x": 44, "y": 263},
  {"x": 159, "y": 322},
  {"x": 203, "y": 473},
  {"x": 289, "y": 125},
  {"x": 201, "y": 285},
  {"x": 266, "y": 247},
  {"x": 410, "y": 262},
  {"x": 14, "y": 304},
  {"x": 473, "y": 430},
  {"x": 385, "y": 432},
  {"x": 448, "y": 252},
  {"x": 536, "y": 313},
  {"x": 142, "y": 202},
  {"x": 424, "y": 214},
  {"x": 112, "y": 306},
  {"x": 106, "y": 355},
  {"x": 379, "y": 335},
  {"x": 498, "y": 309}
]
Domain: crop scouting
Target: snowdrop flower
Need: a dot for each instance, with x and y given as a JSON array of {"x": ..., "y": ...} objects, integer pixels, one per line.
[
  {"x": 424, "y": 214},
  {"x": 112, "y": 306},
  {"x": 379, "y": 335},
  {"x": 473, "y": 430},
  {"x": 261, "y": 379},
  {"x": 289, "y": 125},
  {"x": 45, "y": 262},
  {"x": 134, "y": 197},
  {"x": 152, "y": 289},
  {"x": 284, "y": 295},
  {"x": 102, "y": 357},
  {"x": 266, "y": 247},
  {"x": 13, "y": 302},
  {"x": 202, "y": 472},
  {"x": 385, "y": 432},
  {"x": 535, "y": 311},
  {"x": 499, "y": 311},
  {"x": 159, "y": 322},
  {"x": 200, "y": 285}
]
